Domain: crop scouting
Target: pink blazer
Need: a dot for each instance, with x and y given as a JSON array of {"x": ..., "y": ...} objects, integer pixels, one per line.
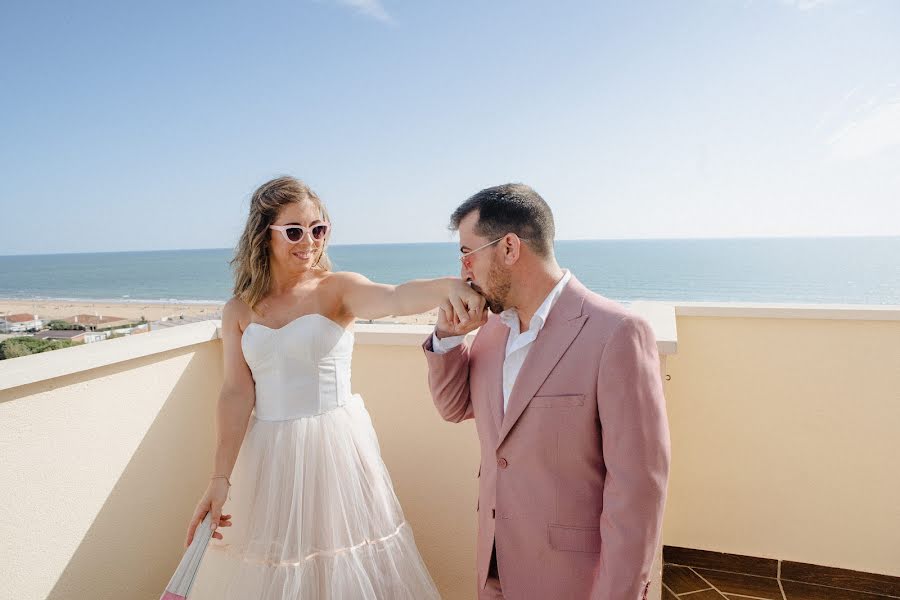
[{"x": 572, "y": 482}]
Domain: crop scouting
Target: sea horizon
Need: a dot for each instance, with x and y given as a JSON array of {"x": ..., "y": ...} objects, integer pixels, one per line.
[
  {"x": 833, "y": 270},
  {"x": 610, "y": 239}
]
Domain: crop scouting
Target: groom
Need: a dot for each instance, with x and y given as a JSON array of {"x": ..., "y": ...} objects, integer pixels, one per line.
[{"x": 565, "y": 390}]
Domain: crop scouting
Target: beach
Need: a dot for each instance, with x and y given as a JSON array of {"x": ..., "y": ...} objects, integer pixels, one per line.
[{"x": 49, "y": 309}]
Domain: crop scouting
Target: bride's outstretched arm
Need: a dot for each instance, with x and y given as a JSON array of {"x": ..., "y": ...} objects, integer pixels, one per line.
[
  {"x": 232, "y": 415},
  {"x": 369, "y": 300}
]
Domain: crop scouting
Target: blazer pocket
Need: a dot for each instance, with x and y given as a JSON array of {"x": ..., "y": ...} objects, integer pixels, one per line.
[
  {"x": 575, "y": 539},
  {"x": 557, "y": 401}
]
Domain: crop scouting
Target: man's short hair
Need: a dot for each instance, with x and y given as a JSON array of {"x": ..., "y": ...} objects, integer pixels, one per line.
[{"x": 511, "y": 208}]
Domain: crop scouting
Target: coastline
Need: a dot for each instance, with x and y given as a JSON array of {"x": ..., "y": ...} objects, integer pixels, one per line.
[{"x": 58, "y": 308}]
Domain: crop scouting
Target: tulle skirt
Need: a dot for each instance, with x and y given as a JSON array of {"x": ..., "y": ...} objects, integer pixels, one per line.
[{"x": 315, "y": 518}]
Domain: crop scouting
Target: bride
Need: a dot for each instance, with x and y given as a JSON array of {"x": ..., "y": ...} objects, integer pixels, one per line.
[{"x": 312, "y": 512}]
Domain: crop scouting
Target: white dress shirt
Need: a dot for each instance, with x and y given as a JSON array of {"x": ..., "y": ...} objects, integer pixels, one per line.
[{"x": 517, "y": 344}]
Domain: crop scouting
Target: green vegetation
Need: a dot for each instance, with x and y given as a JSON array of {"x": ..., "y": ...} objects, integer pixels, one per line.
[
  {"x": 23, "y": 346},
  {"x": 58, "y": 325}
]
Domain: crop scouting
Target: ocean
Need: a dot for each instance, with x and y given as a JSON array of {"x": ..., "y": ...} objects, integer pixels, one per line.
[{"x": 851, "y": 270}]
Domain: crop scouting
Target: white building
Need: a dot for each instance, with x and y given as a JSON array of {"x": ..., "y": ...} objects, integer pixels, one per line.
[{"x": 20, "y": 323}]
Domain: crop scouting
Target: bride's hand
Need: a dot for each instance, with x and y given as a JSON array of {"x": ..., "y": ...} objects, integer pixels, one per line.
[
  {"x": 463, "y": 311},
  {"x": 466, "y": 300},
  {"x": 212, "y": 501}
]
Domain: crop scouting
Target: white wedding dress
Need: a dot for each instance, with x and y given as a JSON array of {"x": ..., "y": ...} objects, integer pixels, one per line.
[{"x": 315, "y": 515}]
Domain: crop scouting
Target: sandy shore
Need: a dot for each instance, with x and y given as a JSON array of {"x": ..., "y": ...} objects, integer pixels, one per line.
[{"x": 58, "y": 309}]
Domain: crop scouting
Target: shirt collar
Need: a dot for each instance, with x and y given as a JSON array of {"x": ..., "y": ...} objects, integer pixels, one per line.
[{"x": 509, "y": 317}]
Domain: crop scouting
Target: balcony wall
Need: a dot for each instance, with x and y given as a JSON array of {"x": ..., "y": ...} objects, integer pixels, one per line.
[
  {"x": 101, "y": 462},
  {"x": 783, "y": 430},
  {"x": 785, "y": 436}
]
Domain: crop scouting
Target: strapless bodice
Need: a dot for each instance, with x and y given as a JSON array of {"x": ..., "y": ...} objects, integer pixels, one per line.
[{"x": 301, "y": 369}]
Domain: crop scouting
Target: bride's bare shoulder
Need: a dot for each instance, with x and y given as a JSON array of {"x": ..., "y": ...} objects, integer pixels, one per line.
[
  {"x": 335, "y": 287},
  {"x": 236, "y": 312},
  {"x": 343, "y": 279}
]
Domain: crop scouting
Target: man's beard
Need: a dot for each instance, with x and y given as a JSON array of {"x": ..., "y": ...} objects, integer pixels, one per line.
[{"x": 499, "y": 281}]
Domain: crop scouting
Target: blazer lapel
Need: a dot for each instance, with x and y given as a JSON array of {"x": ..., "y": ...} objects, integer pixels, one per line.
[
  {"x": 495, "y": 355},
  {"x": 559, "y": 331}
]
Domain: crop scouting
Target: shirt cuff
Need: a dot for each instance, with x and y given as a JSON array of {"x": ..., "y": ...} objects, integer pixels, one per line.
[{"x": 441, "y": 346}]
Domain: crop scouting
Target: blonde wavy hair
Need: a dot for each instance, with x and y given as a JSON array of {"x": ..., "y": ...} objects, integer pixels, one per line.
[{"x": 252, "y": 273}]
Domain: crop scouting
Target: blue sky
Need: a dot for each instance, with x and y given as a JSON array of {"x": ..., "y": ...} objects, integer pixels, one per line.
[{"x": 147, "y": 126}]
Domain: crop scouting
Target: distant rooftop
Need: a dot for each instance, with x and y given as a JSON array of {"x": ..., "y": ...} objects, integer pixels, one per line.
[
  {"x": 182, "y": 320},
  {"x": 19, "y": 318},
  {"x": 94, "y": 319},
  {"x": 61, "y": 334}
]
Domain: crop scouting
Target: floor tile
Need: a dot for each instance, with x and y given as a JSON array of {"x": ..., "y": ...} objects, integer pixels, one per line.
[
  {"x": 738, "y": 583},
  {"x": 804, "y": 591},
  {"x": 682, "y": 580},
  {"x": 705, "y": 595},
  {"x": 841, "y": 578},
  {"x": 763, "y": 567}
]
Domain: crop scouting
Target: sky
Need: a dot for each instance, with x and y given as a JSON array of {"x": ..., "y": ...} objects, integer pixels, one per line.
[{"x": 146, "y": 126}]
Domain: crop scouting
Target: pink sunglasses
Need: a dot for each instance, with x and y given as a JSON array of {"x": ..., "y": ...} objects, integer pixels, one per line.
[{"x": 295, "y": 233}]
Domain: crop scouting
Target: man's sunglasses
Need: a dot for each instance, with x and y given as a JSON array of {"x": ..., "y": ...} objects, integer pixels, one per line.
[{"x": 295, "y": 233}]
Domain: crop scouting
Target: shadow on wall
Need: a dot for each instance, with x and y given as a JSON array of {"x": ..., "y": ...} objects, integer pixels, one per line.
[{"x": 135, "y": 543}]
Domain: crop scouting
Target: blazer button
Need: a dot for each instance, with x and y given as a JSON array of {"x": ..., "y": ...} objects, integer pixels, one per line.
[{"x": 502, "y": 463}]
